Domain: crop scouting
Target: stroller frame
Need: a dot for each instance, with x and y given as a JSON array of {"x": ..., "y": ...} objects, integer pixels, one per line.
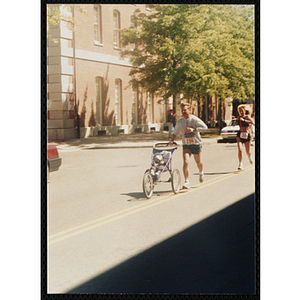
[{"x": 161, "y": 162}]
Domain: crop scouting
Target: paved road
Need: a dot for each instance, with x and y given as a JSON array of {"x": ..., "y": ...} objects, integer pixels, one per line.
[{"x": 105, "y": 237}]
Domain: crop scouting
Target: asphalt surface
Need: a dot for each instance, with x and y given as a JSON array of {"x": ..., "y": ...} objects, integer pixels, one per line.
[{"x": 107, "y": 238}]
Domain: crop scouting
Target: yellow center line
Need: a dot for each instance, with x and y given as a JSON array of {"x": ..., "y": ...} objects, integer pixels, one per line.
[{"x": 131, "y": 210}]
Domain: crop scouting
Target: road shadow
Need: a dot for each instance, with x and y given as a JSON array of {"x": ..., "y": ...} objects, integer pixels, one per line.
[
  {"x": 116, "y": 139},
  {"x": 221, "y": 141},
  {"x": 140, "y": 195},
  {"x": 216, "y": 255},
  {"x": 134, "y": 196},
  {"x": 218, "y": 173},
  {"x": 215, "y": 173}
]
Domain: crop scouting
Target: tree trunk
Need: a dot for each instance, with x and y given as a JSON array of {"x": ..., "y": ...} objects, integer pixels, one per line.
[
  {"x": 174, "y": 104},
  {"x": 221, "y": 115},
  {"x": 206, "y": 109},
  {"x": 199, "y": 108}
]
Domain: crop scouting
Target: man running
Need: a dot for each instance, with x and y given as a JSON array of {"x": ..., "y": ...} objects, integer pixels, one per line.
[{"x": 189, "y": 127}]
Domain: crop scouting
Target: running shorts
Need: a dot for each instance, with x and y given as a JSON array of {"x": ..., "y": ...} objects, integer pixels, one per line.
[
  {"x": 243, "y": 140},
  {"x": 195, "y": 149}
]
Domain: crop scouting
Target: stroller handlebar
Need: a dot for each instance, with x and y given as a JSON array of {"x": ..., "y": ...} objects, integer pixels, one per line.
[{"x": 165, "y": 144}]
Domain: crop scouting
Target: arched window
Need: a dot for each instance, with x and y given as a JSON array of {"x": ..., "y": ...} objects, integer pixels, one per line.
[
  {"x": 116, "y": 29},
  {"x": 99, "y": 95},
  {"x": 150, "y": 107},
  {"x": 134, "y": 107},
  {"x": 118, "y": 99}
]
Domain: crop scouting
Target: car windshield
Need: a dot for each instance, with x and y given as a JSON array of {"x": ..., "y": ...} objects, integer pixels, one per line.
[{"x": 232, "y": 122}]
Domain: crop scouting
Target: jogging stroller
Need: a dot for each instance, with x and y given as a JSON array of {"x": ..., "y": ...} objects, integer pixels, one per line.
[{"x": 161, "y": 162}]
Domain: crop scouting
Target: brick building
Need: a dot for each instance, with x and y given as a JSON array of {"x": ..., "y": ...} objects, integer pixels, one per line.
[{"x": 88, "y": 84}]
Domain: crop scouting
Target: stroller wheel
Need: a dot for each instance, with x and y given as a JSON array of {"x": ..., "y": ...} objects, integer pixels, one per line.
[
  {"x": 148, "y": 185},
  {"x": 175, "y": 181}
]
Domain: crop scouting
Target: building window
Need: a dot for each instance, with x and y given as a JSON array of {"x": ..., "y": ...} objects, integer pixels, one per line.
[
  {"x": 150, "y": 108},
  {"x": 97, "y": 24},
  {"x": 116, "y": 29},
  {"x": 134, "y": 107},
  {"x": 132, "y": 24},
  {"x": 118, "y": 98},
  {"x": 99, "y": 88},
  {"x": 71, "y": 85}
]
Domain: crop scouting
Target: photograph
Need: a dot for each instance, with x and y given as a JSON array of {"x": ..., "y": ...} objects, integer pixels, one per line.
[
  {"x": 150, "y": 149},
  {"x": 148, "y": 165}
]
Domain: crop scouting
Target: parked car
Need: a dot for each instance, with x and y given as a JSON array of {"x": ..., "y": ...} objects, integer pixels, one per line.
[
  {"x": 53, "y": 159},
  {"x": 230, "y": 132}
]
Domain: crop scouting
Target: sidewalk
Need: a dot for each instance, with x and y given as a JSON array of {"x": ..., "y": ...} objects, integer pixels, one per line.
[{"x": 137, "y": 140}]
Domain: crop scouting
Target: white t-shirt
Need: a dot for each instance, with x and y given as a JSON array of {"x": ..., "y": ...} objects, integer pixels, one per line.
[{"x": 193, "y": 138}]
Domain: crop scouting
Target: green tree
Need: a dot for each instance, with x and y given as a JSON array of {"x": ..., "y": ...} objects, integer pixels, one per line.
[
  {"x": 224, "y": 55},
  {"x": 235, "y": 62},
  {"x": 162, "y": 42},
  {"x": 197, "y": 50}
]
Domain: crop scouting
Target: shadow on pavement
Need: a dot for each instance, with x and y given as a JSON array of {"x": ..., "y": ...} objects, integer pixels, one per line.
[
  {"x": 134, "y": 195},
  {"x": 135, "y": 138},
  {"x": 116, "y": 139},
  {"x": 216, "y": 255},
  {"x": 140, "y": 195},
  {"x": 215, "y": 173},
  {"x": 227, "y": 141}
]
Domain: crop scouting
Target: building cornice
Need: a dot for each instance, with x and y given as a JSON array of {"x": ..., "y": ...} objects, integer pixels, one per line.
[{"x": 100, "y": 57}]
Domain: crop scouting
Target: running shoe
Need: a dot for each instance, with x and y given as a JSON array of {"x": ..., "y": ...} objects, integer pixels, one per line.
[
  {"x": 186, "y": 185},
  {"x": 240, "y": 167},
  {"x": 201, "y": 177},
  {"x": 251, "y": 160}
]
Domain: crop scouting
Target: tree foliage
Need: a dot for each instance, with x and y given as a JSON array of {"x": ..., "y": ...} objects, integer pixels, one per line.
[{"x": 193, "y": 49}]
